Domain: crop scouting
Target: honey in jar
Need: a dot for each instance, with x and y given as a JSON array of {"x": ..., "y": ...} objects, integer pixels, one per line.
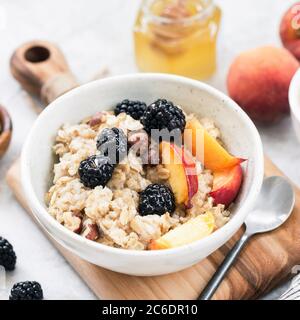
[{"x": 177, "y": 36}]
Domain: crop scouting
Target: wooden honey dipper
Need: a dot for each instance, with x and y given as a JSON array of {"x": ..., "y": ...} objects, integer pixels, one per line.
[{"x": 41, "y": 68}]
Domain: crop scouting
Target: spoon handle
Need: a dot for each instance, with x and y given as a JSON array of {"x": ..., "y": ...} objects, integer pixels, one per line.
[{"x": 217, "y": 278}]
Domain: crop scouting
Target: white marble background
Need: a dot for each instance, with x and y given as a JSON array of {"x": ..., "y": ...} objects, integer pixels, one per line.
[{"x": 93, "y": 34}]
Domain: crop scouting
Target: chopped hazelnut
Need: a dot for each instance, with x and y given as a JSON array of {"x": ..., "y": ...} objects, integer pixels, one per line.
[
  {"x": 90, "y": 230},
  {"x": 97, "y": 119}
]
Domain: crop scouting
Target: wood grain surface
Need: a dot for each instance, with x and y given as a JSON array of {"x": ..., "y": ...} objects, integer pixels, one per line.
[{"x": 266, "y": 260}]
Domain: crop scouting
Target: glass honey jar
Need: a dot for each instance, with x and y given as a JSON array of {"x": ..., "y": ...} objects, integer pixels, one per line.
[{"x": 177, "y": 36}]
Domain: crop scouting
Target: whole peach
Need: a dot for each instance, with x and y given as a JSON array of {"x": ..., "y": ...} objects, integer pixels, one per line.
[
  {"x": 290, "y": 30},
  {"x": 259, "y": 79}
]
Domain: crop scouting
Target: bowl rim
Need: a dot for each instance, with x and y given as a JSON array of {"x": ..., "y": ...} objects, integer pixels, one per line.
[
  {"x": 224, "y": 232},
  {"x": 293, "y": 95}
]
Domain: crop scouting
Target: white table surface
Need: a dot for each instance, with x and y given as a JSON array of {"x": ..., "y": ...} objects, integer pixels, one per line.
[{"x": 93, "y": 34}]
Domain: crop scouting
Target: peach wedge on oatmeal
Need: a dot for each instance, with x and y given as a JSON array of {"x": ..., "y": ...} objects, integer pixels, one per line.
[
  {"x": 207, "y": 148},
  {"x": 193, "y": 230},
  {"x": 182, "y": 170},
  {"x": 226, "y": 185}
]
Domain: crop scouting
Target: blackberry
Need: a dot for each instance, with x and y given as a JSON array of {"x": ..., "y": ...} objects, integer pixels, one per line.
[
  {"x": 28, "y": 290},
  {"x": 7, "y": 255},
  {"x": 163, "y": 114},
  {"x": 95, "y": 171},
  {"x": 156, "y": 199},
  {"x": 113, "y": 144},
  {"x": 134, "y": 108}
]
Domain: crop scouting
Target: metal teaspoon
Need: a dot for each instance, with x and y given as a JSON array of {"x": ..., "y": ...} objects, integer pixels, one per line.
[{"x": 273, "y": 207}]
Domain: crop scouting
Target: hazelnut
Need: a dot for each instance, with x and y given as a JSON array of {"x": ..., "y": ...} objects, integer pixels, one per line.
[
  {"x": 90, "y": 230},
  {"x": 72, "y": 222},
  {"x": 97, "y": 119}
]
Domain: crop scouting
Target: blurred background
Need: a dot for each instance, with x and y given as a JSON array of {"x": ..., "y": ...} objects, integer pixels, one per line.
[{"x": 97, "y": 35}]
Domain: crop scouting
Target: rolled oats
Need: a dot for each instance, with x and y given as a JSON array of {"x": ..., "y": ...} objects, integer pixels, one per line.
[{"x": 109, "y": 215}]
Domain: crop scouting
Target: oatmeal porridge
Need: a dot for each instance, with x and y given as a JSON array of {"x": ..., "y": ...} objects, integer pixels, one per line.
[{"x": 114, "y": 184}]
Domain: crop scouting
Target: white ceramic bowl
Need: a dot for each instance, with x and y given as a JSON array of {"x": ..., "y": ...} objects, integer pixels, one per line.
[
  {"x": 294, "y": 98},
  {"x": 239, "y": 134}
]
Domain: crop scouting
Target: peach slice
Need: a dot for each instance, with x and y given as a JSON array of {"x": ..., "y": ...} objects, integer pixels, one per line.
[
  {"x": 193, "y": 230},
  {"x": 191, "y": 177},
  {"x": 226, "y": 185},
  {"x": 182, "y": 168},
  {"x": 206, "y": 148}
]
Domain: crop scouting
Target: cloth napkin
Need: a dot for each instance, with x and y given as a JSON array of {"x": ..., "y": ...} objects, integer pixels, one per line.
[{"x": 293, "y": 293}]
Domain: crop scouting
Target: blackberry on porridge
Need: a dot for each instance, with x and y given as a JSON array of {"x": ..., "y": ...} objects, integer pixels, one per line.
[{"x": 115, "y": 184}]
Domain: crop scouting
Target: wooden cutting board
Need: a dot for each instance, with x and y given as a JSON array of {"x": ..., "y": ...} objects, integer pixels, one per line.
[{"x": 266, "y": 260}]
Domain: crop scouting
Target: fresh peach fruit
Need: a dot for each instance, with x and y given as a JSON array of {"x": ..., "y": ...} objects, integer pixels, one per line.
[
  {"x": 193, "y": 230},
  {"x": 290, "y": 30},
  {"x": 183, "y": 178},
  {"x": 259, "y": 79},
  {"x": 226, "y": 185},
  {"x": 206, "y": 148}
]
